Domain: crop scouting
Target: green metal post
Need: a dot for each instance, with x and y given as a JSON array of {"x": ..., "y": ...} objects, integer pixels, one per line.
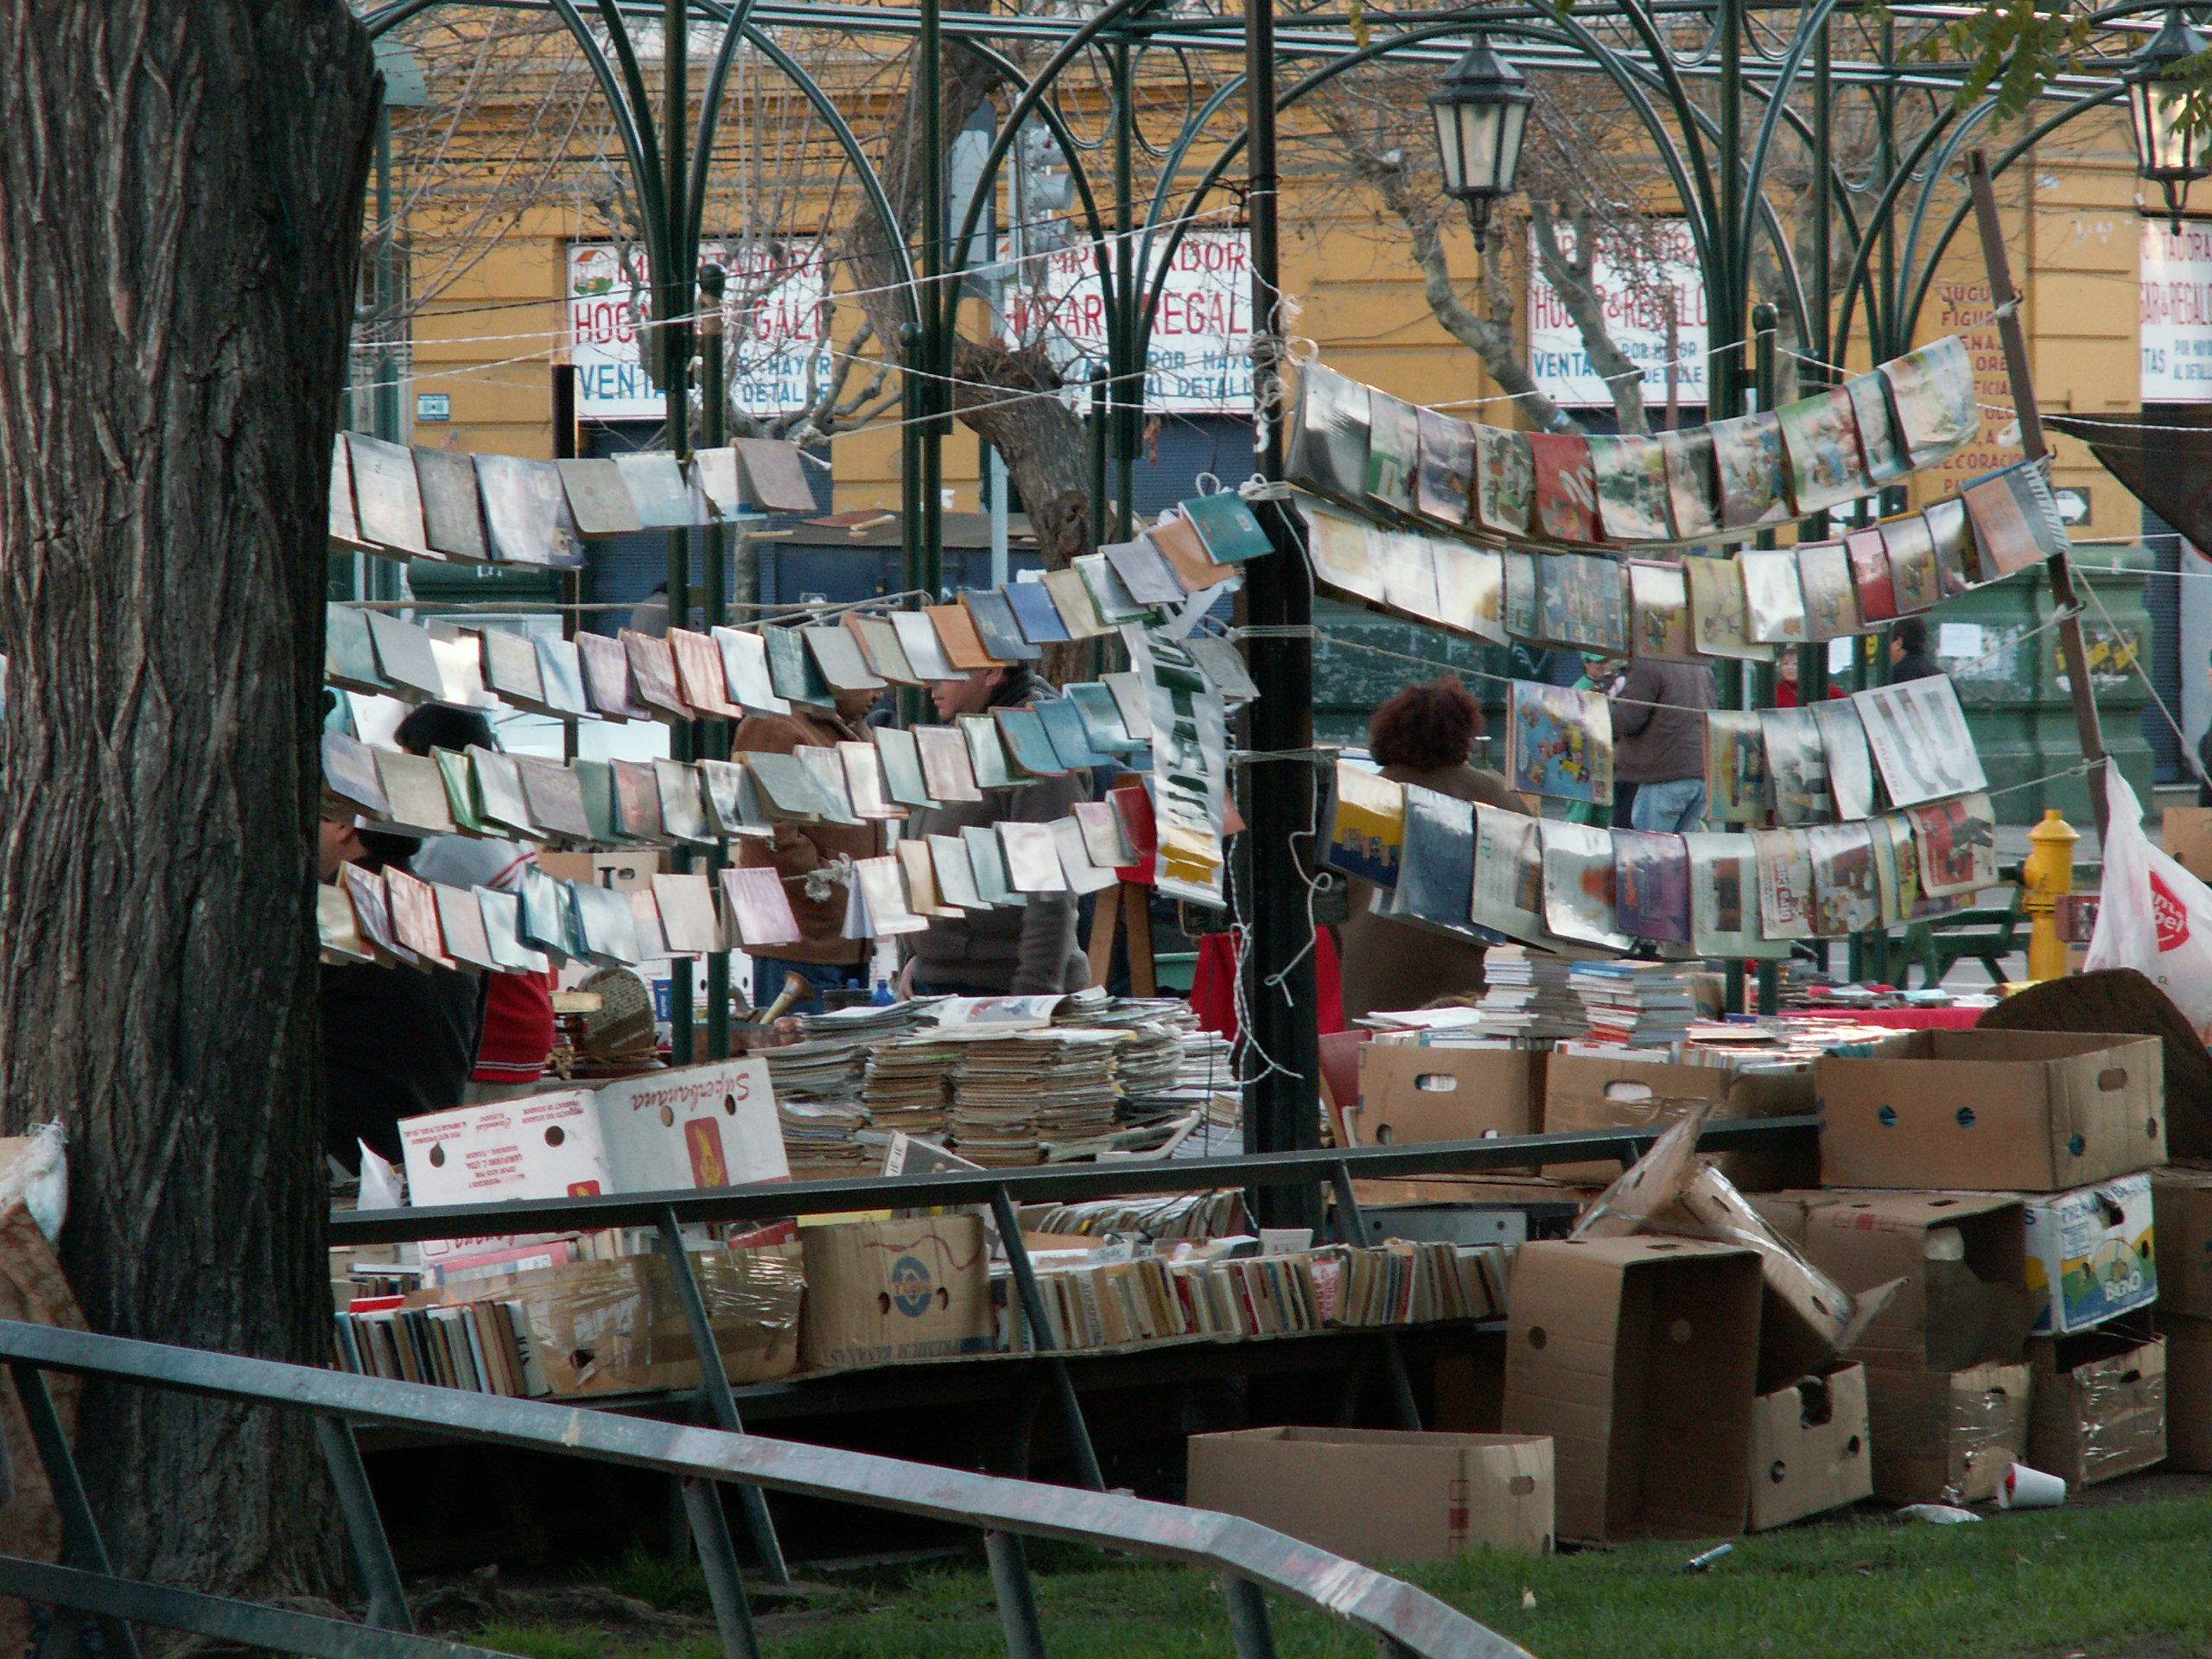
[
  {"x": 673, "y": 291},
  {"x": 1765, "y": 364},
  {"x": 1726, "y": 285},
  {"x": 1125, "y": 355},
  {"x": 940, "y": 300},
  {"x": 713, "y": 420},
  {"x": 1282, "y": 1104}
]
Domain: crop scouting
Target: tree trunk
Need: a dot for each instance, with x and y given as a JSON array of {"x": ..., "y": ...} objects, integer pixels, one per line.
[
  {"x": 1574, "y": 279},
  {"x": 180, "y": 214}
]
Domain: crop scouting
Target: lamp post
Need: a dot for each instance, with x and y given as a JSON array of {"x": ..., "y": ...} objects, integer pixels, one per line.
[
  {"x": 2171, "y": 139},
  {"x": 1481, "y": 111}
]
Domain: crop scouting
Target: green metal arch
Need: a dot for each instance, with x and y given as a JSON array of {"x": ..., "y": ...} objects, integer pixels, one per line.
[
  {"x": 2035, "y": 136},
  {"x": 1570, "y": 34}
]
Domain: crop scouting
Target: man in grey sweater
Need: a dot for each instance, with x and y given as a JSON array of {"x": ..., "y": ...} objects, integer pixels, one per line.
[
  {"x": 1659, "y": 741},
  {"x": 1005, "y": 952}
]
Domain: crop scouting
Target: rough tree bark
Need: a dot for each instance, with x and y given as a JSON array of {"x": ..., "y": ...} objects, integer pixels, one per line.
[
  {"x": 1574, "y": 278},
  {"x": 180, "y": 211}
]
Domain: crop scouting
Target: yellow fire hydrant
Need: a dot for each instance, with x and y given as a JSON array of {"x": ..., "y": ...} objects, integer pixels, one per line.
[{"x": 2048, "y": 873}]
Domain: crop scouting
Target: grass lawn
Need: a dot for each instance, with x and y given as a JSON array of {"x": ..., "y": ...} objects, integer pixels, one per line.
[{"x": 2131, "y": 1579}]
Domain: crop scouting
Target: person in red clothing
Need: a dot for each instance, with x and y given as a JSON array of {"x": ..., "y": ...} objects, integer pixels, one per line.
[
  {"x": 518, "y": 1032},
  {"x": 1785, "y": 680}
]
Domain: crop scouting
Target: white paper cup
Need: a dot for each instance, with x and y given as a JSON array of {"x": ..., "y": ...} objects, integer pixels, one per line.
[{"x": 2030, "y": 1489}]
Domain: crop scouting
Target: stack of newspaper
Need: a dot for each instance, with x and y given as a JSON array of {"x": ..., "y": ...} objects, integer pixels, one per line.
[
  {"x": 1636, "y": 1004},
  {"x": 1527, "y": 994}
]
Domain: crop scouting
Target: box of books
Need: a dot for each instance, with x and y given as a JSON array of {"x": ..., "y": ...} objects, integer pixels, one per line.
[
  {"x": 2090, "y": 1255},
  {"x": 696, "y": 1126},
  {"x": 2019, "y": 1111},
  {"x": 880, "y": 1293},
  {"x": 1411, "y": 1092},
  {"x": 1381, "y": 1495},
  {"x": 1618, "y": 1089},
  {"x": 609, "y": 1326}
]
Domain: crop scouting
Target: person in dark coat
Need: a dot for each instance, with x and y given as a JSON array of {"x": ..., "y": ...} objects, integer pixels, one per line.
[
  {"x": 397, "y": 1041},
  {"x": 1908, "y": 658}
]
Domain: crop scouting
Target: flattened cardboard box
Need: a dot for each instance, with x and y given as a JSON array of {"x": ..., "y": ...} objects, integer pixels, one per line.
[
  {"x": 882, "y": 1292},
  {"x": 618, "y": 1327},
  {"x": 1992, "y": 1111},
  {"x": 1586, "y": 1091},
  {"x": 1946, "y": 1437},
  {"x": 2100, "y": 1407},
  {"x": 1409, "y": 1092},
  {"x": 2188, "y": 1390},
  {"x": 1637, "y": 1356},
  {"x": 1809, "y": 1447},
  {"x": 1380, "y": 1495},
  {"x": 2090, "y": 1255},
  {"x": 2180, "y": 1198},
  {"x": 1962, "y": 1257}
]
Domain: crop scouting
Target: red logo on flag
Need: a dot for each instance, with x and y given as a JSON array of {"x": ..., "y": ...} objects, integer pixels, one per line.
[{"x": 2173, "y": 919}]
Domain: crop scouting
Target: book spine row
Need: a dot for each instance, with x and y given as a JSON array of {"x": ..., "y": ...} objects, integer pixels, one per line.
[
  {"x": 1115, "y": 1304},
  {"x": 483, "y": 1346}
]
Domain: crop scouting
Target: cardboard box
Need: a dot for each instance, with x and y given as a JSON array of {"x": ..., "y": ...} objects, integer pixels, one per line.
[
  {"x": 2188, "y": 1390},
  {"x": 2100, "y": 1405},
  {"x": 1988, "y": 1111},
  {"x": 1409, "y": 1093},
  {"x": 1809, "y": 1447},
  {"x": 1946, "y": 1437},
  {"x": 2181, "y": 1201},
  {"x": 1962, "y": 1257},
  {"x": 619, "y": 1327},
  {"x": 1381, "y": 1495},
  {"x": 1637, "y": 1356},
  {"x": 696, "y": 1126},
  {"x": 539, "y": 1146},
  {"x": 883, "y": 1292},
  {"x": 1584, "y": 1091},
  {"x": 2186, "y": 837},
  {"x": 2090, "y": 1257}
]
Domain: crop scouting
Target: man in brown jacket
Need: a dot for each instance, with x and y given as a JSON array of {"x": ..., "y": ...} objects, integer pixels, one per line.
[
  {"x": 1659, "y": 741},
  {"x": 823, "y": 955},
  {"x": 1006, "y": 951}
]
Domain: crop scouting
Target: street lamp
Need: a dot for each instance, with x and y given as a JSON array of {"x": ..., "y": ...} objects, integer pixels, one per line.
[
  {"x": 2171, "y": 139},
  {"x": 1480, "y": 111}
]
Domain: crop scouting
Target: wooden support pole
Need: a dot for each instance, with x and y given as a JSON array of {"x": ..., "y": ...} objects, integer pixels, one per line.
[{"x": 2005, "y": 299}]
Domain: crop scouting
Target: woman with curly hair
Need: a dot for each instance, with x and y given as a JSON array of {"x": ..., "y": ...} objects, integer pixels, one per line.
[{"x": 1424, "y": 735}]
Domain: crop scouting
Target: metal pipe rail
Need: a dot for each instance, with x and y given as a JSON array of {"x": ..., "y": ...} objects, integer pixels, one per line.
[
  {"x": 1066, "y": 1183},
  {"x": 1251, "y": 1561}
]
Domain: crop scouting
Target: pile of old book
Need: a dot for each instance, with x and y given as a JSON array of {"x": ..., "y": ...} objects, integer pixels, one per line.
[{"x": 1226, "y": 1288}]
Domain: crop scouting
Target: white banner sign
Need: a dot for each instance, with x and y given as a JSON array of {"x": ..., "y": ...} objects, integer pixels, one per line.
[
  {"x": 1635, "y": 317},
  {"x": 2175, "y": 284},
  {"x": 1201, "y": 336},
  {"x": 776, "y": 323}
]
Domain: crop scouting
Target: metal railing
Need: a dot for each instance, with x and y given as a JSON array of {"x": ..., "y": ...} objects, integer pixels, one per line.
[
  {"x": 1252, "y": 1561},
  {"x": 1333, "y": 1171}
]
